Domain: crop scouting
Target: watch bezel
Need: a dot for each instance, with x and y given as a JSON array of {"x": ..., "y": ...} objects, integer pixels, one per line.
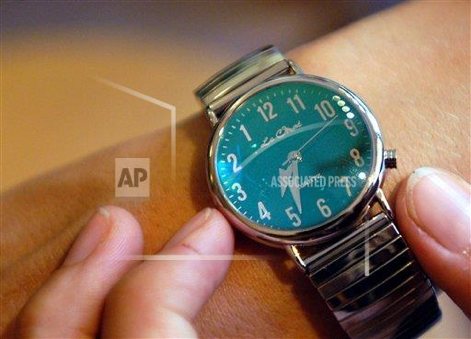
[{"x": 319, "y": 233}]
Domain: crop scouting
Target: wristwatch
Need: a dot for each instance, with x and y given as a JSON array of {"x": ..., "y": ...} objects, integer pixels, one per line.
[{"x": 297, "y": 161}]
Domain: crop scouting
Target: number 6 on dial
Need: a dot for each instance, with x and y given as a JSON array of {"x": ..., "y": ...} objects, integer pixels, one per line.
[{"x": 325, "y": 210}]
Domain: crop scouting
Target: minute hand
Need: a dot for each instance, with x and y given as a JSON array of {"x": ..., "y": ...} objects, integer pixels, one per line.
[{"x": 312, "y": 138}]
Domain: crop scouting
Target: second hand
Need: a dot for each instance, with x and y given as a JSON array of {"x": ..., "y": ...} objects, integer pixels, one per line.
[{"x": 310, "y": 139}]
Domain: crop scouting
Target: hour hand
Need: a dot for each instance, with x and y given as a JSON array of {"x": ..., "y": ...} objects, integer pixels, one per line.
[{"x": 294, "y": 185}]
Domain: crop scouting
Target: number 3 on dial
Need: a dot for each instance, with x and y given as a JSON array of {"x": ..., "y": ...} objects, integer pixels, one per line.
[{"x": 241, "y": 193}]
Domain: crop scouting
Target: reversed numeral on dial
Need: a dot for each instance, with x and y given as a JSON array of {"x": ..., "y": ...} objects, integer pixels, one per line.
[
  {"x": 351, "y": 127},
  {"x": 356, "y": 156},
  {"x": 241, "y": 193},
  {"x": 266, "y": 110},
  {"x": 325, "y": 109},
  {"x": 293, "y": 216},
  {"x": 324, "y": 208},
  {"x": 244, "y": 130},
  {"x": 295, "y": 102},
  {"x": 232, "y": 158},
  {"x": 262, "y": 210}
]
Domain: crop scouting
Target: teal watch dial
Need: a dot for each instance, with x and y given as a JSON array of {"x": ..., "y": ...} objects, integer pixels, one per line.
[
  {"x": 296, "y": 161},
  {"x": 293, "y": 156}
]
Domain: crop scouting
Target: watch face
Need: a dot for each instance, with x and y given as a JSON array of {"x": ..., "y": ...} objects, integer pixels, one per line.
[{"x": 293, "y": 156}]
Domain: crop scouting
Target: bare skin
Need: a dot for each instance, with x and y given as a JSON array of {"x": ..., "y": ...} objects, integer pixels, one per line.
[{"x": 410, "y": 64}]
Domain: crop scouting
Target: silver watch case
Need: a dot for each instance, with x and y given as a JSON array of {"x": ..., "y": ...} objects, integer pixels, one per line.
[{"x": 346, "y": 220}]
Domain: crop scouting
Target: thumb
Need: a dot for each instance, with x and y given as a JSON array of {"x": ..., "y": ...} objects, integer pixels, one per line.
[{"x": 433, "y": 212}]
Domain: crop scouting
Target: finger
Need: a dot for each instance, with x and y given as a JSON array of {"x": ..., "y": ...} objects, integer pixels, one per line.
[
  {"x": 433, "y": 211},
  {"x": 160, "y": 298},
  {"x": 70, "y": 303}
]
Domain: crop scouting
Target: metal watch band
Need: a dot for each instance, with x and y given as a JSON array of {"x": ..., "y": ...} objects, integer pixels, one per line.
[
  {"x": 385, "y": 296},
  {"x": 372, "y": 282},
  {"x": 239, "y": 77}
]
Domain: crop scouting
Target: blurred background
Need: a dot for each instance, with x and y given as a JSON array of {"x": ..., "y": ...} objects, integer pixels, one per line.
[{"x": 54, "y": 111}]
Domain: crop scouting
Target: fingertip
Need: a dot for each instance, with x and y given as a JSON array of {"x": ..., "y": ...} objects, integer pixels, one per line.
[
  {"x": 70, "y": 303},
  {"x": 420, "y": 243},
  {"x": 127, "y": 228},
  {"x": 207, "y": 233},
  {"x": 408, "y": 228},
  {"x": 123, "y": 239},
  {"x": 213, "y": 237},
  {"x": 111, "y": 232},
  {"x": 187, "y": 272},
  {"x": 224, "y": 234},
  {"x": 431, "y": 218}
]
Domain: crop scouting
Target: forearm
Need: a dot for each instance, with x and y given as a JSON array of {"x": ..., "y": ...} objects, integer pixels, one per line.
[{"x": 411, "y": 65}]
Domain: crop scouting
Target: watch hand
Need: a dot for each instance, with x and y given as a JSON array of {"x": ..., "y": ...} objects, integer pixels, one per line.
[
  {"x": 311, "y": 138},
  {"x": 259, "y": 151},
  {"x": 292, "y": 171}
]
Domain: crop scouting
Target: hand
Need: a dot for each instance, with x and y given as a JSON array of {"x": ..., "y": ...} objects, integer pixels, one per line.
[
  {"x": 433, "y": 212},
  {"x": 98, "y": 291},
  {"x": 40, "y": 217},
  {"x": 292, "y": 172},
  {"x": 298, "y": 151}
]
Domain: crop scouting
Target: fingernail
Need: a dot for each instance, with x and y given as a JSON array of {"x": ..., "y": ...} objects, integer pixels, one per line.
[
  {"x": 194, "y": 223},
  {"x": 439, "y": 203},
  {"x": 90, "y": 237},
  {"x": 211, "y": 237}
]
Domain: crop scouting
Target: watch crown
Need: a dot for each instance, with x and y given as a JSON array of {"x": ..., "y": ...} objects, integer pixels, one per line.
[{"x": 390, "y": 160}]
